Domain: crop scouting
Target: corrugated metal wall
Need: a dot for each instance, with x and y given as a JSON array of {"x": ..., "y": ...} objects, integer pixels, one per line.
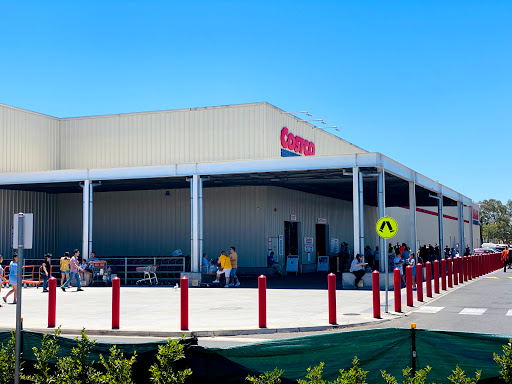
[
  {"x": 134, "y": 223},
  {"x": 167, "y": 137},
  {"x": 43, "y": 206},
  {"x": 29, "y": 141}
]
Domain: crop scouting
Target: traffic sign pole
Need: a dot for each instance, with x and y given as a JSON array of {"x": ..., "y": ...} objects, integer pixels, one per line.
[{"x": 19, "y": 276}]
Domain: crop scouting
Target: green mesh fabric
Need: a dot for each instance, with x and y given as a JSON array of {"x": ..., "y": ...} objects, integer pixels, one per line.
[{"x": 378, "y": 349}]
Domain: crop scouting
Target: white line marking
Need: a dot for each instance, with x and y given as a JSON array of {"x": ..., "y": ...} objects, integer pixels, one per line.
[
  {"x": 509, "y": 313},
  {"x": 473, "y": 311},
  {"x": 429, "y": 309}
]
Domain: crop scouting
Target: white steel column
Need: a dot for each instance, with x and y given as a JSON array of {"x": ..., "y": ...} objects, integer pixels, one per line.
[
  {"x": 199, "y": 259},
  {"x": 462, "y": 244},
  {"x": 355, "y": 208},
  {"x": 440, "y": 221},
  {"x": 413, "y": 219},
  {"x": 195, "y": 222},
  {"x": 85, "y": 217},
  {"x": 361, "y": 214},
  {"x": 89, "y": 247},
  {"x": 471, "y": 228}
]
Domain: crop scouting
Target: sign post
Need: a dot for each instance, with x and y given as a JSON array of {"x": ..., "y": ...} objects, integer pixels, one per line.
[
  {"x": 22, "y": 239},
  {"x": 386, "y": 228}
]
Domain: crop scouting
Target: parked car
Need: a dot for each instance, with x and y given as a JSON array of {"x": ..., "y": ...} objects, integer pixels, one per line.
[{"x": 479, "y": 251}]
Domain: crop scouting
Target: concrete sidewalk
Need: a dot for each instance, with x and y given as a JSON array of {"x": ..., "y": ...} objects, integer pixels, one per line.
[{"x": 155, "y": 311}]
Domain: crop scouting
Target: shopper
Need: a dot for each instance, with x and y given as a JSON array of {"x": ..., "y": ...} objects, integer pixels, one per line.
[
  {"x": 74, "y": 268},
  {"x": 64, "y": 268},
  {"x": 357, "y": 268},
  {"x": 233, "y": 258},
  {"x": 505, "y": 258},
  {"x": 225, "y": 268},
  {"x": 13, "y": 278},
  {"x": 46, "y": 270},
  {"x": 2, "y": 273}
]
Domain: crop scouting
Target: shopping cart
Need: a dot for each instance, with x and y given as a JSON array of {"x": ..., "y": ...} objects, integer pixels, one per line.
[{"x": 149, "y": 274}]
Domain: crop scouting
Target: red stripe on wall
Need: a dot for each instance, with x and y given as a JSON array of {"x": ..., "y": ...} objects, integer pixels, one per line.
[{"x": 434, "y": 213}]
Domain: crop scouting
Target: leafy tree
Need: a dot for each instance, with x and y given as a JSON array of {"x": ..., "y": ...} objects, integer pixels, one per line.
[
  {"x": 7, "y": 360},
  {"x": 459, "y": 377},
  {"x": 495, "y": 220},
  {"x": 118, "y": 368},
  {"x": 47, "y": 352},
  {"x": 168, "y": 354},
  {"x": 419, "y": 377},
  {"x": 505, "y": 362},
  {"x": 273, "y": 377},
  {"x": 75, "y": 368}
]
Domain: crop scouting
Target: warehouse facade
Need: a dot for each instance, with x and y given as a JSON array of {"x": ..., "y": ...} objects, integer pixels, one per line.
[{"x": 203, "y": 179}]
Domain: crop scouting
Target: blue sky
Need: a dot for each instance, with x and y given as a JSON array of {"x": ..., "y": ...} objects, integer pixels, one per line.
[{"x": 427, "y": 83}]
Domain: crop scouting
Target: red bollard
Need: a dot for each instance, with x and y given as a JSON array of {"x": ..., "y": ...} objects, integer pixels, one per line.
[
  {"x": 461, "y": 269},
  {"x": 455, "y": 272},
  {"x": 428, "y": 278},
  {"x": 436, "y": 276},
  {"x": 470, "y": 268},
  {"x": 331, "y": 287},
  {"x": 443, "y": 274},
  {"x": 419, "y": 282},
  {"x": 184, "y": 303},
  {"x": 465, "y": 268},
  {"x": 262, "y": 301},
  {"x": 449, "y": 273},
  {"x": 52, "y": 301},
  {"x": 477, "y": 265},
  {"x": 408, "y": 285},
  {"x": 376, "y": 294},
  {"x": 116, "y": 301},
  {"x": 397, "y": 286}
]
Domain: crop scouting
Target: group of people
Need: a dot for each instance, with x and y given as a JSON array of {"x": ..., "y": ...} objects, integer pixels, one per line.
[{"x": 225, "y": 264}]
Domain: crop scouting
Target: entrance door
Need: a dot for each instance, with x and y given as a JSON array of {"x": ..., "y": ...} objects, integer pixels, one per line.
[
  {"x": 322, "y": 240},
  {"x": 291, "y": 238}
]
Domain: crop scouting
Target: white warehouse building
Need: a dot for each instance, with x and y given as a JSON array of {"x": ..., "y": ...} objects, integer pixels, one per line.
[{"x": 204, "y": 179}]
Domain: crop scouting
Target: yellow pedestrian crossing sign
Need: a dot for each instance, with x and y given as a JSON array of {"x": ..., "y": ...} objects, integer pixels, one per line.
[{"x": 386, "y": 227}]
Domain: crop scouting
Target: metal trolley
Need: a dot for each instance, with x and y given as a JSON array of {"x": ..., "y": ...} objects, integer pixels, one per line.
[{"x": 149, "y": 274}]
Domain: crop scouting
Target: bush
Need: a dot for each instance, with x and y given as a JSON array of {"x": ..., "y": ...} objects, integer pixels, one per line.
[
  {"x": 459, "y": 377},
  {"x": 7, "y": 361},
  {"x": 419, "y": 377},
  {"x": 162, "y": 372},
  {"x": 273, "y": 377},
  {"x": 505, "y": 362},
  {"x": 47, "y": 352},
  {"x": 118, "y": 369}
]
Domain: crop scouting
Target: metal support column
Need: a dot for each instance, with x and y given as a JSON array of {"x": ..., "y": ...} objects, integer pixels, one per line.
[
  {"x": 361, "y": 214},
  {"x": 355, "y": 208},
  {"x": 462, "y": 244},
  {"x": 90, "y": 248},
  {"x": 381, "y": 204},
  {"x": 471, "y": 228},
  {"x": 195, "y": 222},
  {"x": 413, "y": 219},
  {"x": 86, "y": 186}
]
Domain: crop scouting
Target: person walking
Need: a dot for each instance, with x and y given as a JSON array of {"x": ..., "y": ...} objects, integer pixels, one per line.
[
  {"x": 46, "y": 270},
  {"x": 504, "y": 258},
  {"x": 64, "y": 268},
  {"x": 74, "y": 268},
  {"x": 13, "y": 278},
  {"x": 2, "y": 273},
  {"x": 376, "y": 259},
  {"x": 233, "y": 258}
]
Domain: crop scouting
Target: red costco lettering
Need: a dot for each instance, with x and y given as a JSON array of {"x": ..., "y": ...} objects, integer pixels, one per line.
[{"x": 296, "y": 143}]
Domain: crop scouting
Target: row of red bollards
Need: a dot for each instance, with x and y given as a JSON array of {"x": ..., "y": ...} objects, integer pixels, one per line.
[{"x": 453, "y": 271}]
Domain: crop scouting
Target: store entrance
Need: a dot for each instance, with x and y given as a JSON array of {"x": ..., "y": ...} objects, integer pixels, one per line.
[
  {"x": 322, "y": 240},
  {"x": 291, "y": 238}
]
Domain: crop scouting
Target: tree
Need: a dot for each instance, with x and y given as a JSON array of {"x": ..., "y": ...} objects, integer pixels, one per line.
[
  {"x": 495, "y": 220},
  {"x": 505, "y": 362},
  {"x": 162, "y": 372}
]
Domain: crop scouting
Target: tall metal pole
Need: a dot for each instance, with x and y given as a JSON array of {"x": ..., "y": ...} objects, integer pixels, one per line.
[
  {"x": 412, "y": 208},
  {"x": 355, "y": 208},
  {"x": 19, "y": 277},
  {"x": 441, "y": 230},
  {"x": 381, "y": 202},
  {"x": 361, "y": 214},
  {"x": 85, "y": 218}
]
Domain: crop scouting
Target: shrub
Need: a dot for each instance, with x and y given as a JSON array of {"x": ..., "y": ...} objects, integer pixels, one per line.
[
  {"x": 459, "y": 377},
  {"x": 118, "y": 369},
  {"x": 505, "y": 362},
  {"x": 7, "y": 360},
  {"x": 419, "y": 377},
  {"x": 162, "y": 372},
  {"x": 47, "y": 352},
  {"x": 273, "y": 377}
]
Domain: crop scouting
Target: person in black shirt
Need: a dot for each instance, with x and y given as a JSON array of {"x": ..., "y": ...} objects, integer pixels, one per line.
[{"x": 46, "y": 270}]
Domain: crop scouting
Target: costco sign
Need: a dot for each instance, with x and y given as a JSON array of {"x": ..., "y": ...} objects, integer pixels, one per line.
[{"x": 297, "y": 144}]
